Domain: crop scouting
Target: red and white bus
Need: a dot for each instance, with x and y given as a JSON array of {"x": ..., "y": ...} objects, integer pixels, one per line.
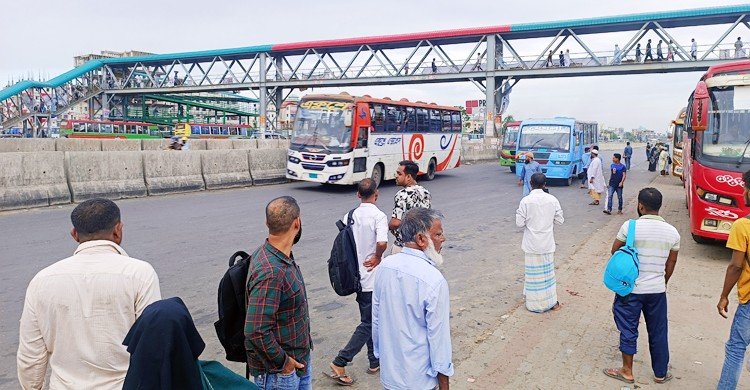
[
  {"x": 342, "y": 139},
  {"x": 716, "y": 152}
]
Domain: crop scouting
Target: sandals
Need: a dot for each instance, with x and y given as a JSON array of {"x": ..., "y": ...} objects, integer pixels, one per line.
[
  {"x": 341, "y": 380},
  {"x": 373, "y": 371},
  {"x": 594, "y": 203},
  {"x": 617, "y": 376},
  {"x": 665, "y": 379}
]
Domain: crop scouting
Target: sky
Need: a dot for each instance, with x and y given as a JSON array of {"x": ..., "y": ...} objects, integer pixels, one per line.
[{"x": 44, "y": 35}]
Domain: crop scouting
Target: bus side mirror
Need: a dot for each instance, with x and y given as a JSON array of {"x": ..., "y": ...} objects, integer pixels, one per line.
[{"x": 699, "y": 114}]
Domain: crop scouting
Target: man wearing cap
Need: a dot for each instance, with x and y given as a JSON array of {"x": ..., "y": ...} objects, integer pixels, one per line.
[
  {"x": 596, "y": 177},
  {"x": 530, "y": 167}
]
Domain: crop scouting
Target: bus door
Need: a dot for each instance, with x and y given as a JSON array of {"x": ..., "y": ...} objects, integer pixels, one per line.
[
  {"x": 360, "y": 123},
  {"x": 577, "y": 150}
]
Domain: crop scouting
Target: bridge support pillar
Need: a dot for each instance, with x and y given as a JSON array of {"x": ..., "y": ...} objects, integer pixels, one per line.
[
  {"x": 490, "y": 88},
  {"x": 263, "y": 94}
]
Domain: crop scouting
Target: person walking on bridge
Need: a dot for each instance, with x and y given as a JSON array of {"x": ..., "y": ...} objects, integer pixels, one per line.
[
  {"x": 638, "y": 53},
  {"x": 739, "y": 52},
  {"x": 693, "y": 49},
  {"x": 648, "y": 52},
  {"x": 596, "y": 177},
  {"x": 371, "y": 237},
  {"x": 411, "y": 196},
  {"x": 549, "y": 59},
  {"x": 537, "y": 214},
  {"x": 659, "y": 53}
]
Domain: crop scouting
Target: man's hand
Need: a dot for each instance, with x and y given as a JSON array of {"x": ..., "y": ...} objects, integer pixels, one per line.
[
  {"x": 621, "y": 184},
  {"x": 371, "y": 263},
  {"x": 291, "y": 365},
  {"x": 591, "y": 180},
  {"x": 723, "y": 307}
]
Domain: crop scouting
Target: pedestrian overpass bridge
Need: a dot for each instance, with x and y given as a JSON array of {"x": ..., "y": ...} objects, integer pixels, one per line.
[{"x": 492, "y": 58}]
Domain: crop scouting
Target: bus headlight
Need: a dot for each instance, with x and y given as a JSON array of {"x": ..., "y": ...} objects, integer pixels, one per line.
[
  {"x": 293, "y": 160},
  {"x": 562, "y": 163},
  {"x": 712, "y": 197},
  {"x": 338, "y": 163}
]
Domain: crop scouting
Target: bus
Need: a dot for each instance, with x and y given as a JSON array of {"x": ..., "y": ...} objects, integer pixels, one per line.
[
  {"x": 86, "y": 128},
  {"x": 508, "y": 147},
  {"x": 716, "y": 153},
  {"x": 342, "y": 139},
  {"x": 677, "y": 127},
  {"x": 558, "y": 145},
  {"x": 219, "y": 130}
]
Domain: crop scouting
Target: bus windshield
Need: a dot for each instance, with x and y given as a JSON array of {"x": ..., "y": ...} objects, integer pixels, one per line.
[
  {"x": 323, "y": 126},
  {"x": 728, "y": 129},
  {"x": 553, "y": 137},
  {"x": 511, "y": 134}
]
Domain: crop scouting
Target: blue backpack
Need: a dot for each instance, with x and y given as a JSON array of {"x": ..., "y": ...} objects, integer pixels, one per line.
[{"x": 622, "y": 268}]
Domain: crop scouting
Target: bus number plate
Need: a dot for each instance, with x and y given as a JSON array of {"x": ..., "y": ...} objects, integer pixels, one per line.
[{"x": 313, "y": 175}]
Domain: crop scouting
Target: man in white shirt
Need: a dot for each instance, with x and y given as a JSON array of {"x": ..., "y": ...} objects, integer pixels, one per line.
[
  {"x": 78, "y": 310},
  {"x": 537, "y": 213},
  {"x": 371, "y": 236}
]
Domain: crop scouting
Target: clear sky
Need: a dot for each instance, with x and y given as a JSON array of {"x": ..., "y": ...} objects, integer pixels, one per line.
[{"x": 41, "y": 37}]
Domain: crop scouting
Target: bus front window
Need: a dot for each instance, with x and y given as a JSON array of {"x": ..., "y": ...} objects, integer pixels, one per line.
[
  {"x": 509, "y": 139},
  {"x": 556, "y": 138},
  {"x": 321, "y": 126},
  {"x": 728, "y": 129}
]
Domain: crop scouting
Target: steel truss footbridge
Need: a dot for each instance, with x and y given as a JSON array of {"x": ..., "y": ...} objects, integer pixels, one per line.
[{"x": 492, "y": 58}]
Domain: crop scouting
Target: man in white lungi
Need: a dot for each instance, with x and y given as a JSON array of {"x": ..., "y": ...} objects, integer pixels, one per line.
[
  {"x": 596, "y": 177},
  {"x": 537, "y": 213}
]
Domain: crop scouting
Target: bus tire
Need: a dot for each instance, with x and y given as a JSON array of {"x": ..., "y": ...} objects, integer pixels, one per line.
[
  {"x": 431, "y": 169},
  {"x": 377, "y": 174},
  {"x": 702, "y": 240}
]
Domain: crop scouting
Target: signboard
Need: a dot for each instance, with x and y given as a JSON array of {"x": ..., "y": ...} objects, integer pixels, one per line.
[{"x": 474, "y": 105}]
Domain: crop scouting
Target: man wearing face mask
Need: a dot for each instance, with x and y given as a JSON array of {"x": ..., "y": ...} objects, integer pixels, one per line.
[
  {"x": 411, "y": 293},
  {"x": 277, "y": 328}
]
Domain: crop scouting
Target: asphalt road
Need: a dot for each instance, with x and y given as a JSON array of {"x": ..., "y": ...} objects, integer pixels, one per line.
[{"x": 188, "y": 239}]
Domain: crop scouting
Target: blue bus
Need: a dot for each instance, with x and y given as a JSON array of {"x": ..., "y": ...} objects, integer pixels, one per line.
[{"x": 557, "y": 144}]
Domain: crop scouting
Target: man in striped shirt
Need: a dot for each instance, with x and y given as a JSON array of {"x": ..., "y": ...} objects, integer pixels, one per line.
[{"x": 657, "y": 243}]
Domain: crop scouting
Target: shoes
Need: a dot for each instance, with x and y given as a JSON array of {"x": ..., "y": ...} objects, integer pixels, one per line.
[
  {"x": 619, "y": 212},
  {"x": 607, "y": 212}
]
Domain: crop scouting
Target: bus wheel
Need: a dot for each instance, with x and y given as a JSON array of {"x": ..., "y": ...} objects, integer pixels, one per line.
[
  {"x": 513, "y": 168},
  {"x": 702, "y": 240},
  {"x": 377, "y": 174},
  {"x": 431, "y": 168}
]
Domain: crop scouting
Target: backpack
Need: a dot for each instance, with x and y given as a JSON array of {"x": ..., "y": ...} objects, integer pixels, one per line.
[
  {"x": 343, "y": 266},
  {"x": 230, "y": 328},
  {"x": 622, "y": 268}
]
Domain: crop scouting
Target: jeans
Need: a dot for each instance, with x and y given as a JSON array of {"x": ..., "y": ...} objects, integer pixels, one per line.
[
  {"x": 627, "y": 311},
  {"x": 362, "y": 335},
  {"x": 291, "y": 381},
  {"x": 739, "y": 338},
  {"x": 627, "y": 163},
  {"x": 611, "y": 191},
  {"x": 584, "y": 179}
]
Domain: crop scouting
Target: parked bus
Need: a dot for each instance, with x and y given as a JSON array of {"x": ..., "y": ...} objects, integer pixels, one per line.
[
  {"x": 677, "y": 127},
  {"x": 508, "y": 147},
  {"x": 716, "y": 152},
  {"x": 219, "y": 130},
  {"x": 86, "y": 128},
  {"x": 557, "y": 144},
  {"x": 343, "y": 139}
]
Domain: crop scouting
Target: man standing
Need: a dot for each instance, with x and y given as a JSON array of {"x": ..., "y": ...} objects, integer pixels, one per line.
[
  {"x": 596, "y": 177},
  {"x": 738, "y": 51},
  {"x": 412, "y": 195},
  {"x": 648, "y": 52},
  {"x": 627, "y": 154},
  {"x": 537, "y": 214},
  {"x": 77, "y": 311},
  {"x": 530, "y": 167},
  {"x": 585, "y": 161},
  {"x": 738, "y": 273},
  {"x": 657, "y": 243},
  {"x": 434, "y": 67},
  {"x": 693, "y": 49},
  {"x": 617, "y": 176},
  {"x": 371, "y": 235},
  {"x": 411, "y": 309},
  {"x": 277, "y": 328}
]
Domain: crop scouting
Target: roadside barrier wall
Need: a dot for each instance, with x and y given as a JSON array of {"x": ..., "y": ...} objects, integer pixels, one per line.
[
  {"x": 218, "y": 144},
  {"x": 121, "y": 145},
  {"x": 473, "y": 151},
  {"x": 27, "y": 145},
  {"x": 154, "y": 144},
  {"x": 268, "y": 143},
  {"x": 197, "y": 144},
  {"x": 244, "y": 144},
  {"x": 169, "y": 172},
  {"x": 32, "y": 180},
  {"x": 113, "y": 175},
  {"x": 225, "y": 168},
  {"x": 268, "y": 165},
  {"x": 78, "y": 145}
]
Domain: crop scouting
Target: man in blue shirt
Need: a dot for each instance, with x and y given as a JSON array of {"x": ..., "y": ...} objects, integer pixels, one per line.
[
  {"x": 411, "y": 308},
  {"x": 585, "y": 161},
  {"x": 617, "y": 175},
  {"x": 530, "y": 167},
  {"x": 627, "y": 154}
]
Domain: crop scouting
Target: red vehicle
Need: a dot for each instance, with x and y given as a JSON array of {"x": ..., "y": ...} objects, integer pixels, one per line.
[{"x": 716, "y": 152}]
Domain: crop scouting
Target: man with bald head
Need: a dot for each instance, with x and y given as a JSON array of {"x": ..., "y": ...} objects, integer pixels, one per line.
[{"x": 277, "y": 327}]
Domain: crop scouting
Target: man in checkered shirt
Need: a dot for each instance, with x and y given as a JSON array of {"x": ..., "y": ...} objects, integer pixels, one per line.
[
  {"x": 411, "y": 196},
  {"x": 277, "y": 327}
]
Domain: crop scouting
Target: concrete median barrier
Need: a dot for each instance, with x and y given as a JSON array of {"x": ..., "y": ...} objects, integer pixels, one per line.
[
  {"x": 268, "y": 166},
  {"x": 112, "y": 175},
  {"x": 154, "y": 144},
  {"x": 121, "y": 145},
  {"x": 225, "y": 169},
  {"x": 244, "y": 144},
  {"x": 32, "y": 180},
  {"x": 27, "y": 145},
  {"x": 218, "y": 144},
  {"x": 78, "y": 145},
  {"x": 268, "y": 144},
  {"x": 197, "y": 144},
  {"x": 169, "y": 172}
]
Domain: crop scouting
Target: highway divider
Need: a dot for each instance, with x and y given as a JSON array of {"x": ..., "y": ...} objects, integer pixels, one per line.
[
  {"x": 79, "y": 144},
  {"x": 226, "y": 169},
  {"x": 168, "y": 172},
  {"x": 218, "y": 144},
  {"x": 113, "y": 175},
  {"x": 121, "y": 145},
  {"x": 32, "y": 180},
  {"x": 268, "y": 165},
  {"x": 27, "y": 145}
]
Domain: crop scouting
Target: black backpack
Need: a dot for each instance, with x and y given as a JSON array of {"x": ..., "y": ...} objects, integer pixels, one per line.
[
  {"x": 343, "y": 267},
  {"x": 230, "y": 328}
]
